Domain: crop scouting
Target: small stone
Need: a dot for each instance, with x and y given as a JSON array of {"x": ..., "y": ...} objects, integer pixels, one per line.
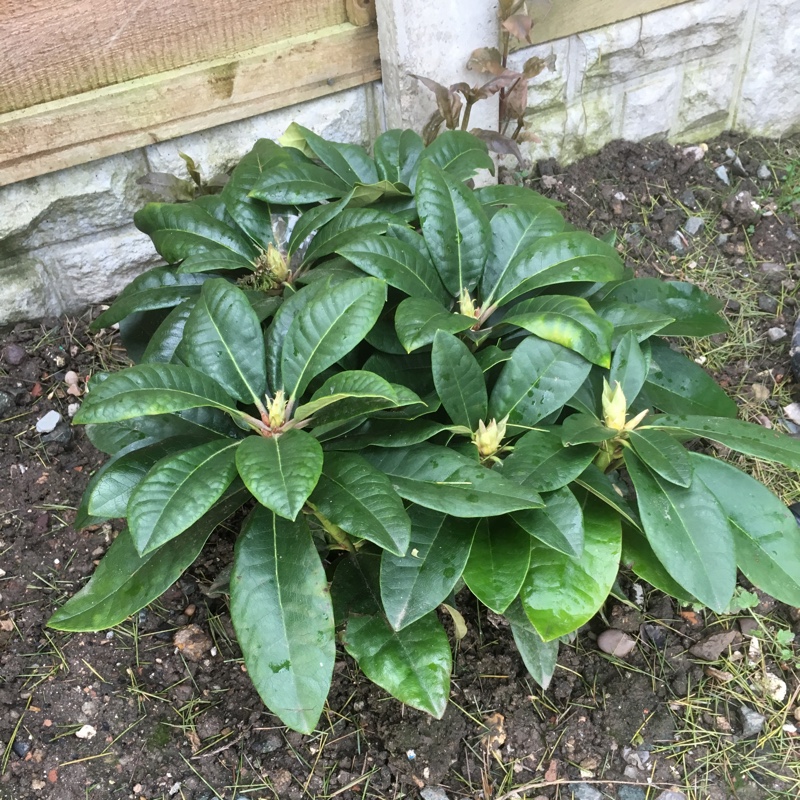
[
  {"x": 630, "y": 793},
  {"x": 730, "y": 152},
  {"x": 748, "y": 626},
  {"x": 741, "y": 209},
  {"x": 733, "y": 306},
  {"x": 770, "y": 267},
  {"x": 722, "y": 173},
  {"x": 772, "y": 686},
  {"x": 13, "y": 354},
  {"x": 72, "y": 409},
  {"x": 71, "y": 378},
  {"x": 697, "y": 152},
  {"x": 689, "y": 200},
  {"x": 694, "y": 225},
  {"x": 722, "y": 239},
  {"x": 616, "y": 643},
  {"x": 752, "y": 722},
  {"x": 671, "y": 795},
  {"x": 48, "y": 422},
  {"x": 21, "y": 747},
  {"x": 433, "y": 793},
  {"x": 86, "y": 732},
  {"x": 767, "y": 304},
  {"x": 764, "y": 173},
  {"x": 776, "y": 335},
  {"x": 192, "y": 642},
  {"x": 678, "y": 243},
  {"x": 37, "y": 785},
  {"x": 7, "y": 404},
  {"x": 189, "y": 611},
  {"x": 585, "y": 792},
  {"x": 61, "y": 435},
  {"x": 711, "y": 647}
]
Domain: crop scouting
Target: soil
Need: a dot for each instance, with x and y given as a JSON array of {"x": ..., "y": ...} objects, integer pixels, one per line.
[{"x": 186, "y": 722}]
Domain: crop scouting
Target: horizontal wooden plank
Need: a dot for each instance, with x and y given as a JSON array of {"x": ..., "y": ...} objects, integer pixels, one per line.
[
  {"x": 117, "y": 118},
  {"x": 60, "y": 48},
  {"x": 574, "y": 16}
]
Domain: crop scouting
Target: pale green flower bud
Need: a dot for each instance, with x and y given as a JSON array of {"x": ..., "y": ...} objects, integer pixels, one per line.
[{"x": 488, "y": 438}]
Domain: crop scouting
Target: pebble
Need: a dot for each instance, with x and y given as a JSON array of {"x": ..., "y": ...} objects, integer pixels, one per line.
[
  {"x": 767, "y": 304},
  {"x": 71, "y": 378},
  {"x": 6, "y": 403},
  {"x": 433, "y": 793},
  {"x": 671, "y": 795},
  {"x": 689, "y": 200},
  {"x": 772, "y": 267},
  {"x": 72, "y": 409},
  {"x": 764, "y": 173},
  {"x": 678, "y": 243},
  {"x": 48, "y": 422},
  {"x": 192, "y": 642},
  {"x": 733, "y": 306},
  {"x": 722, "y": 173},
  {"x": 14, "y": 355},
  {"x": 585, "y": 792},
  {"x": 630, "y": 793},
  {"x": 21, "y": 747},
  {"x": 86, "y": 732},
  {"x": 694, "y": 225},
  {"x": 752, "y": 722},
  {"x": 616, "y": 643},
  {"x": 776, "y": 335},
  {"x": 61, "y": 435}
]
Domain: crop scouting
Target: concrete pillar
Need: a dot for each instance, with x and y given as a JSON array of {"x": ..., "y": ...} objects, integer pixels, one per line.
[{"x": 434, "y": 39}]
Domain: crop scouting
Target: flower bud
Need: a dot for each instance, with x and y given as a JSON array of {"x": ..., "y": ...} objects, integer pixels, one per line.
[
  {"x": 276, "y": 409},
  {"x": 276, "y": 264},
  {"x": 466, "y": 305},
  {"x": 488, "y": 438},
  {"x": 615, "y": 406}
]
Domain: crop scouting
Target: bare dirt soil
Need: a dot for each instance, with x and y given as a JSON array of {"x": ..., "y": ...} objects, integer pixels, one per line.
[{"x": 184, "y": 722}]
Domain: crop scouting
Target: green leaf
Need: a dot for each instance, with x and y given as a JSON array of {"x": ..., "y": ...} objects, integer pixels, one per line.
[
  {"x": 458, "y": 379},
  {"x": 503, "y": 194},
  {"x": 148, "y": 389},
  {"x": 397, "y": 263},
  {"x": 455, "y": 228},
  {"x": 629, "y": 367},
  {"x": 413, "y": 371},
  {"x": 677, "y": 385},
  {"x": 182, "y": 230},
  {"x": 125, "y": 582},
  {"x": 415, "y": 583},
  {"x": 689, "y": 534},
  {"x": 560, "y": 258},
  {"x": 412, "y": 664},
  {"x": 439, "y": 478},
  {"x": 349, "y": 226},
  {"x": 559, "y": 524},
  {"x": 350, "y": 162},
  {"x": 377, "y": 433},
  {"x": 765, "y": 533},
  {"x": 281, "y": 610},
  {"x": 538, "y": 379},
  {"x": 178, "y": 491},
  {"x": 625, "y": 318},
  {"x": 539, "y": 657},
  {"x": 314, "y": 219},
  {"x": 491, "y": 356},
  {"x": 583, "y": 429},
  {"x": 513, "y": 230},
  {"x": 166, "y": 338},
  {"x": 327, "y": 329},
  {"x": 540, "y": 460},
  {"x": 251, "y": 215},
  {"x": 694, "y": 312},
  {"x": 352, "y": 494},
  {"x": 396, "y": 155},
  {"x": 568, "y": 321},
  {"x": 417, "y": 321},
  {"x": 498, "y": 562},
  {"x": 458, "y": 153},
  {"x": 347, "y": 395},
  {"x": 161, "y": 287},
  {"x": 281, "y": 471},
  {"x": 298, "y": 183},
  {"x": 601, "y": 486},
  {"x": 560, "y": 592},
  {"x": 744, "y": 437},
  {"x": 222, "y": 339},
  {"x": 662, "y": 454}
]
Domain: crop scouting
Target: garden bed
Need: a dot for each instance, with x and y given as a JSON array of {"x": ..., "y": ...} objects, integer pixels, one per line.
[{"x": 185, "y": 721}]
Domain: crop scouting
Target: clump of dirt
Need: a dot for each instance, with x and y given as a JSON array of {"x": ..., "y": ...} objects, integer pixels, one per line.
[{"x": 164, "y": 707}]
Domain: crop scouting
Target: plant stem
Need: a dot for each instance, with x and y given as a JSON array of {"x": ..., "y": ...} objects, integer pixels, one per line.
[{"x": 336, "y": 533}]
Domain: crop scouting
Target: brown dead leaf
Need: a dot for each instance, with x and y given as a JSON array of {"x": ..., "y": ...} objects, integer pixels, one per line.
[
  {"x": 516, "y": 103},
  {"x": 486, "y": 59},
  {"x": 448, "y": 103},
  {"x": 508, "y": 7},
  {"x": 692, "y": 618},
  {"x": 720, "y": 675},
  {"x": 194, "y": 741},
  {"x": 552, "y": 771},
  {"x": 519, "y": 26},
  {"x": 711, "y": 647},
  {"x": 6, "y": 625},
  {"x": 498, "y": 143},
  {"x": 495, "y": 735}
]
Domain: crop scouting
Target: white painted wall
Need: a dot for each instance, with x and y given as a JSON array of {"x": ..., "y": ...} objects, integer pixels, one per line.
[{"x": 686, "y": 73}]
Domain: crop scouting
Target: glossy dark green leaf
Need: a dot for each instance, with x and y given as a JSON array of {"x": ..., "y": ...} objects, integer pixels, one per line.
[
  {"x": 178, "y": 491},
  {"x": 539, "y": 657},
  {"x": 662, "y": 454},
  {"x": 540, "y": 460},
  {"x": 181, "y": 230},
  {"x": 349, "y": 226},
  {"x": 694, "y": 312},
  {"x": 166, "y": 338},
  {"x": 561, "y": 592},
  {"x": 125, "y": 582},
  {"x": 350, "y": 162},
  {"x": 559, "y": 524},
  {"x": 458, "y": 153},
  {"x": 514, "y": 229},
  {"x": 625, "y": 318},
  {"x": 603, "y": 488},
  {"x": 504, "y": 194},
  {"x": 560, "y": 258},
  {"x": 148, "y": 389},
  {"x": 677, "y": 385},
  {"x": 629, "y": 367},
  {"x": 765, "y": 533},
  {"x": 744, "y": 437},
  {"x": 327, "y": 329},
  {"x": 568, "y": 321},
  {"x": 441, "y": 479},
  {"x": 299, "y": 183},
  {"x": 397, "y": 263},
  {"x": 412, "y": 664},
  {"x": 417, "y": 321},
  {"x": 415, "y": 583},
  {"x": 538, "y": 379},
  {"x": 380, "y": 433},
  {"x": 314, "y": 219},
  {"x": 280, "y": 471},
  {"x": 352, "y": 494},
  {"x": 222, "y": 338},
  {"x": 396, "y": 155},
  {"x": 455, "y": 228},
  {"x": 491, "y": 356},
  {"x": 498, "y": 562},
  {"x": 689, "y": 533},
  {"x": 161, "y": 287},
  {"x": 413, "y": 370},
  {"x": 583, "y": 429},
  {"x": 458, "y": 379},
  {"x": 281, "y": 610}
]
